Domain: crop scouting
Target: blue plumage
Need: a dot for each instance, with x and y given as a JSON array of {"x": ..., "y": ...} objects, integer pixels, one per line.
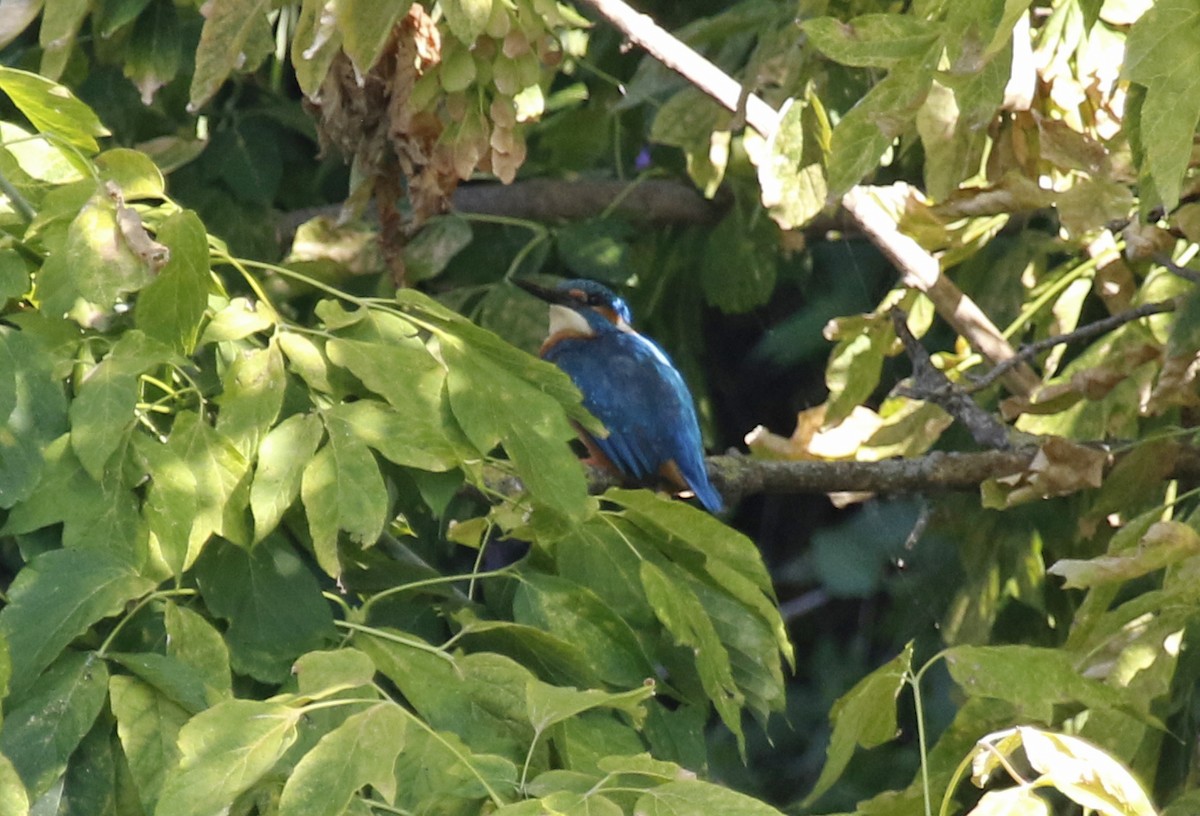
[{"x": 630, "y": 385}]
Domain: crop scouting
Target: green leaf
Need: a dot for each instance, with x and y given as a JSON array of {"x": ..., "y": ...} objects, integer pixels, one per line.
[
  {"x": 440, "y": 239},
  {"x": 177, "y": 680},
  {"x": 361, "y": 751},
  {"x": 148, "y": 725},
  {"x": 342, "y": 489},
  {"x": 102, "y": 518},
  {"x": 134, "y": 173},
  {"x": 285, "y": 451},
  {"x": 870, "y": 127},
  {"x": 738, "y": 268},
  {"x": 224, "y": 752},
  {"x": 695, "y": 798},
  {"x": 549, "y": 705},
  {"x": 412, "y": 440},
  {"x": 155, "y": 49},
  {"x": 14, "y": 274},
  {"x": 576, "y": 615},
  {"x": 272, "y": 602},
  {"x": 856, "y": 362},
  {"x": 232, "y": 32},
  {"x": 222, "y": 482},
  {"x": 872, "y": 40},
  {"x": 32, "y": 413},
  {"x": 597, "y": 248},
  {"x": 543, "y": 376},
  {"x": 250, "y": 161},
  {"x": 252, "y": 397},
  {"x": 529, "y": 423},
  {"x": 95, "y": 264},
  {"x": 14, "y": 801},
  {"x": 171, "y": 307},
  {"x": 60, "y": 23},
  {"x": 1084, "y": 773},
  {"x": 57, "y": 597},
  {"x": 365, "y": 26},
  {"x": 1031, "y": 678},
  {"x": 171, "y": 500},
  {"x": 792, "y": 174},
  {"x": 864, "y": 716},
  {"x": 316, "y": 42},
  {"x": 480, "y": 697},
  {"x": 111, "y": 15},
  {"x": 1011, "y": 802},
  {"x": 239, "y": 319},
  {"x": 194, "y": 641},
  {"x": 52, "y": 108},
  {"x": 681, "y": 612},
  {"x": 320, "y": 674},
  {"x": 467, "y": 18},
  {"x": 102, "y": 415},
  {"x": 42, "y": 732},
  {"x": 1161, "y": 55}
]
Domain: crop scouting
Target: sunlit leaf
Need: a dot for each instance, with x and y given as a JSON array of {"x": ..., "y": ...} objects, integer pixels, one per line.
[
  {"x": 343, "y": 489},
  {"x": 172, "y": 305},
  {"x": 148, "y": 725},
  {"x": 223, "y": 751},
  {"x": 52, "y": 108},
  {"x": 284, "y": 453},
  {"x": 365, "y": 26},
  {"x": 865, "y": 716},
  {"x": 1160, "y": 57},
  {"x": 361, "y": 751}
]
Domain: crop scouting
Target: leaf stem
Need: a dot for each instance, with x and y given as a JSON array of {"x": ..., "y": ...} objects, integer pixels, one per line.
[
  {"x": 102, "y": 652},
  {"x": 383, "y": 634},
  {"x": 18, "y": 201}
]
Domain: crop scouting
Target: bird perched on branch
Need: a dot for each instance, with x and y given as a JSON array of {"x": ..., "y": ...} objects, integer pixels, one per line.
[{"x": 630, "y": 385}]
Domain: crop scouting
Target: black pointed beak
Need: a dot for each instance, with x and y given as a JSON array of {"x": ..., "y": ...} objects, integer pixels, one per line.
[{"x": 544, "y": 293}]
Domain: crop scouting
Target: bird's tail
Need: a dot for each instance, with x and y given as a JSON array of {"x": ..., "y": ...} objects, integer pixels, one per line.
[{"x": 708, "y": 496}]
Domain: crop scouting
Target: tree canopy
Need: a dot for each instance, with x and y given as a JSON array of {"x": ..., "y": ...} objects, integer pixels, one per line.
[{"x": 290, "y": 517}]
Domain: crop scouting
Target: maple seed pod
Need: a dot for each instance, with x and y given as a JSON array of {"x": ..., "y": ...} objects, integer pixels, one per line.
[
  {"x": 516, "y": 44},
  {"x": 456, "y": 106},
  {"x": 506, "y": 76},
  {"x": 499, "y": 23},
  {"x": 503, "y": 112}
]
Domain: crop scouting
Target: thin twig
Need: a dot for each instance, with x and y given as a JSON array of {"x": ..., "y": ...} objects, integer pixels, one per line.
[
  {"x": 1182, "y": 271},
  {"x": 1087, "y": 332}
]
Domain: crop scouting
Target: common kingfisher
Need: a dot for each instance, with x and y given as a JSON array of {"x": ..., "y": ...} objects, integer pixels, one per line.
[{"x": 629, "y": 384}]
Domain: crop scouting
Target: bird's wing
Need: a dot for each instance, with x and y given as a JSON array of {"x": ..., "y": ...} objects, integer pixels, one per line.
[{"x": 631, "y": 387}]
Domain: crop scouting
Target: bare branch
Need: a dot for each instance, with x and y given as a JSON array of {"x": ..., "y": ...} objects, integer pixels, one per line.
[
  {"x": 1087, "y": 332},
  {"x": 680, "y": 58},
  {"x": 931, "y": 385}
]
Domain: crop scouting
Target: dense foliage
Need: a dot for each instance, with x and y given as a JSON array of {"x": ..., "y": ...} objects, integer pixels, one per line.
[{"x": 299, "y": 529}]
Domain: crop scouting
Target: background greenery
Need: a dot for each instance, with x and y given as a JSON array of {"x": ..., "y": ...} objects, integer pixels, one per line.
[{"x": 260, "y": 551}]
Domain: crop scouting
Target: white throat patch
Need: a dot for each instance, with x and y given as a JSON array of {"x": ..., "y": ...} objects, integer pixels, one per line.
[{"x": 564, "y": 319}]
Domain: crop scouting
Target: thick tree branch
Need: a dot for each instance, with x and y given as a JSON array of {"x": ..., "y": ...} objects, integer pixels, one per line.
[
  {"x": 918, "y": 267},
  {"x": 738, "y": 476}
]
